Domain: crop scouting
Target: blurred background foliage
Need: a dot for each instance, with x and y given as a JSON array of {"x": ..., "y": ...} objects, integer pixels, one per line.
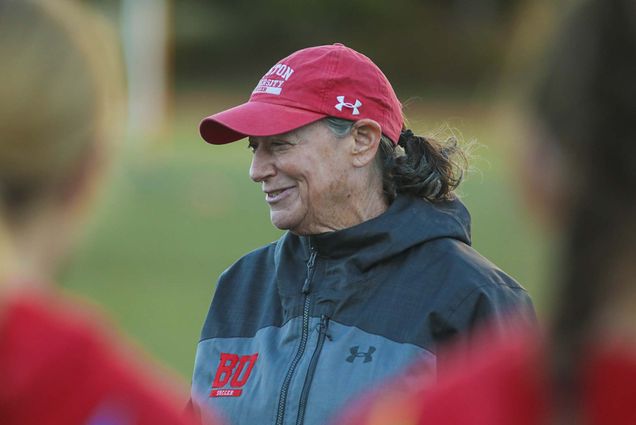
[
  {"x": 450, "y": 45},
  {"x": 177, "y": 212},
  {"x": 403, "y": 36}
]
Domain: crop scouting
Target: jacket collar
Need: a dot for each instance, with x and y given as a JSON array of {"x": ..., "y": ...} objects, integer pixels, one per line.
[{"x": 407, "y": 222}]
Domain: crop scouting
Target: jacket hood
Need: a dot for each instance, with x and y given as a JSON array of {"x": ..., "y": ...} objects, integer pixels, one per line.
[{"x": 407, "y": 222}]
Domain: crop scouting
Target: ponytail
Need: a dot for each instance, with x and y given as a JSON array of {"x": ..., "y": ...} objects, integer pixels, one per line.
[{"x": 421, "y": 166}]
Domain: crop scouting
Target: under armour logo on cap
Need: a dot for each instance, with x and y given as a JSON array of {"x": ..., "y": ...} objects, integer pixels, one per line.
[
  {"x": 342, "y": 103},
  {"x": 355, "y": 354}
]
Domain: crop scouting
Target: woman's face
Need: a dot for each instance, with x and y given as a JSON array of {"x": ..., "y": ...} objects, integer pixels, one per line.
[{"x": 305, "y": 175}]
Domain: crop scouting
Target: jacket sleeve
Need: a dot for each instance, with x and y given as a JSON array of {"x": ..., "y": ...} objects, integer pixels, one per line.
[
  {"x": 497, "y": 307},
  {"x": 486, "y": 314}
]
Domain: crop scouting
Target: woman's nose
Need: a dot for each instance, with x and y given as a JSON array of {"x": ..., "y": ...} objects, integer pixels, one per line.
[{"x": 262, "y": 166}]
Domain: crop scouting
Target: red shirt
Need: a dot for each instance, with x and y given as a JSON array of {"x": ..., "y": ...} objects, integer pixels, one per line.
[
  {"x": 58, "y": 368},
  {"x": 507, "y": 384}
]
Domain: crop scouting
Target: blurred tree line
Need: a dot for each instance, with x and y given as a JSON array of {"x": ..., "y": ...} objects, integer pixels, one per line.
[
  {"x": 445, "y": 43},
  {"x": 436, "y": 44}
]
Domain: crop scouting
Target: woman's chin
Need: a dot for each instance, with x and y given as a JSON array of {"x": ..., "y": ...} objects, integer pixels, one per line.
[
  {"x": 294, "y": 223},
  {"x": 283, "y": 220}
]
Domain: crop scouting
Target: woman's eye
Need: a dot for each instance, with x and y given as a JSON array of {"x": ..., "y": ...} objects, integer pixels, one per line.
[
  {"x": 274, "y": 145},
  {"x": 279, "y": 145}
]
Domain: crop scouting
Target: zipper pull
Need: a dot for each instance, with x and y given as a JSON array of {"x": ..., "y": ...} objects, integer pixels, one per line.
[
  {"x": 324, "y": 326},
  {"x": 310, "y": 271}
]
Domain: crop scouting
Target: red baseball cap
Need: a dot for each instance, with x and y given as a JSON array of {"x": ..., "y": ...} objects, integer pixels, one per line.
[{"x": 308, "y": 85}]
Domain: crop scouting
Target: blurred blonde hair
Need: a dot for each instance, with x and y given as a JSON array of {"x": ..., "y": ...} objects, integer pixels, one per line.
[
  {"x": 61, "y": 92},
  {"x": 61, "y": 98}
]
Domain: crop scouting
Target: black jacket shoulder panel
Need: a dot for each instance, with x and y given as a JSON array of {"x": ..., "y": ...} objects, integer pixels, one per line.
[
  {"x": 413, "y": 263},
  {"x": 432, "y": 292},
  {"x": 245, "y": 298}
]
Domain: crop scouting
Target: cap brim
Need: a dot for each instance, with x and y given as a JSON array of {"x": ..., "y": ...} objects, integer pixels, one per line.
[{"x": 254, "y": 119}]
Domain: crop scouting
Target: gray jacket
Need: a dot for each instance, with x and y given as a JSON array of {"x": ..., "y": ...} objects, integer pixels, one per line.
[{"x": 303, "y": 325}]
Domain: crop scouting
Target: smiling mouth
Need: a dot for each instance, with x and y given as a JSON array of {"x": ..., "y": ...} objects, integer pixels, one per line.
[{"x": 276, "y": 195}]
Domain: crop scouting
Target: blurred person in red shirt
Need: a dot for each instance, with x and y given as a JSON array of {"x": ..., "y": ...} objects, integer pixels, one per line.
[
  {"x": 60, "y": 93},
  {"x": 580, "y": 173}
]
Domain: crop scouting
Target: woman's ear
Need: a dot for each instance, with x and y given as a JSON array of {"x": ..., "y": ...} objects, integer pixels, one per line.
[{"x": 366, "y": 136}]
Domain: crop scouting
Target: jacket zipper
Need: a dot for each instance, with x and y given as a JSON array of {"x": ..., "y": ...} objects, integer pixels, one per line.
[
  {"x": 282, "y": 401},
  {"x": 324, "y": 323}
]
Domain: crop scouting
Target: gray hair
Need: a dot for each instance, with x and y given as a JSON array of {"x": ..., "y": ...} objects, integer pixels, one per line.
[{"x": 341, "y": 128}]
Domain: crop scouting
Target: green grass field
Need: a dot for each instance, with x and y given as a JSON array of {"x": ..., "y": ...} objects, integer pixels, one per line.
[{"x": 177, "y": 213}]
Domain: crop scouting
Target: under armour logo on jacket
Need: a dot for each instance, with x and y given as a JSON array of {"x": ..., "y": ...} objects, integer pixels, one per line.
[
  {"x": 355, "y": 354},
  {"x": 342, "y": 103}
]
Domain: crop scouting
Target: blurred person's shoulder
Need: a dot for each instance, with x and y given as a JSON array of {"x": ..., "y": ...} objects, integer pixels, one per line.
[
  {"x": 493, "y": 383},
  {"x": 501, "y": 383},
  {"x": 610, "y": 382},
  {"x": 509, "y": 382},
  {"x": 60, "y": 365}
]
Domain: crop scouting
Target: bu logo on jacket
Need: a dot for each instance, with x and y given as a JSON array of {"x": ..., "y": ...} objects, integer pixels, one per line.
[
  {"x": 355, "y": 354},
  {"x": 234, "y": 370}
]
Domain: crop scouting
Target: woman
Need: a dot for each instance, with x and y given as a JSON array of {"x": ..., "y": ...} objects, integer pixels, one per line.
[
  {"x": 60, "y": 92},
  {"x": 584, "y": 370},
  {"x": 376, "y": 268}
]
